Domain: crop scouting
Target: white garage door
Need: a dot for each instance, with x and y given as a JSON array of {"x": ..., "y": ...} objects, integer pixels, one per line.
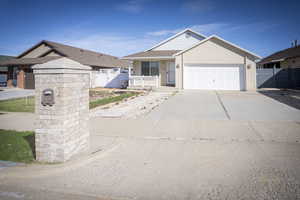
[{"x": 214, "y": 77}]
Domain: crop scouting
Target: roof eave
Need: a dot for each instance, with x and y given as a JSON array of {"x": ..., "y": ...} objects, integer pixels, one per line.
[
  {"x": 217, "y": 37},
  {"x": 30, "y": 49},
  {"x": 150, "y": 58}
]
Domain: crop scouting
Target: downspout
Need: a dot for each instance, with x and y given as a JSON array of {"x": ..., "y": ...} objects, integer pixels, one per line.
[
  {"x": 182, "y": 71},
  {"x": 245, "y": 72}
]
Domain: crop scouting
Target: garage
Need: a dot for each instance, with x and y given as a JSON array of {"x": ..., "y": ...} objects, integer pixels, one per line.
[
  {"x": 214, "y": 76},
  {"x": 216, "y": 64}
]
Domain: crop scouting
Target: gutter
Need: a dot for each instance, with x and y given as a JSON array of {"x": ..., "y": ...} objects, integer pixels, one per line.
[
  {"x": 271, "y": 61},
  {"x": 150, "y": 58}
]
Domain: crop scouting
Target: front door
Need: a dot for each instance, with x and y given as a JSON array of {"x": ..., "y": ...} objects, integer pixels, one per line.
[{"x": 170, "y": 73}]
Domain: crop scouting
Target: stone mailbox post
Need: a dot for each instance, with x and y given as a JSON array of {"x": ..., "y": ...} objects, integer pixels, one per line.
[{"x": 62, "y": 109}]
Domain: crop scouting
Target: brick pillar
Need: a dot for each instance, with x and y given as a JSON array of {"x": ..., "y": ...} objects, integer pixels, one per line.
[
  {"x": 10, "y": 76},
  {"x": 10, "y": 83},
  {"x": 62, "y": 129},
  {"x": 21, "y": 79}
]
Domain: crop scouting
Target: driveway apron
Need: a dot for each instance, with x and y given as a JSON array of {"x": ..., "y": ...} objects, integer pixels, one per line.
[{"x": 189, "y": 105}]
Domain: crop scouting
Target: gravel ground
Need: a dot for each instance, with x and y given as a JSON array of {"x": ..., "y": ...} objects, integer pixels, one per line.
[{"x": 133, "y": 107}]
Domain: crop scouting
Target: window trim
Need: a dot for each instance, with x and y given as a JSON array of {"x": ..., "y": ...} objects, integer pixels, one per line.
[{"x": 149, "y": 67}]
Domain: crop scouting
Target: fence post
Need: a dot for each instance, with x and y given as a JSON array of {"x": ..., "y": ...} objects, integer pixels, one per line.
[{"x": 274, "y": 75}]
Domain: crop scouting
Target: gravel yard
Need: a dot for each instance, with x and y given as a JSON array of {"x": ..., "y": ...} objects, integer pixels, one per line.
[
  {"x": 98, "y": 97},
  {"x": 132, "y": 107}
]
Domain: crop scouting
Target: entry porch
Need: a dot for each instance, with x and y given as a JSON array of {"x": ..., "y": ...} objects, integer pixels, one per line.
[{"x": 152, "y": 73}]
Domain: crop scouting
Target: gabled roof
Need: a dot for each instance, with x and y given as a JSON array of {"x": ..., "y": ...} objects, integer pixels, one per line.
[
  {"x": 152, "y": 54},
  {"x": 27, "y": 61},
  {"x": 282, "y": 55},
  {"x": 62, "y": 63},
  {"x": 83, "y": 56},
  {"x": 176, "y": 35},
  {"x": 4, "y": 57},
  {"x": 225, "y": 41}
]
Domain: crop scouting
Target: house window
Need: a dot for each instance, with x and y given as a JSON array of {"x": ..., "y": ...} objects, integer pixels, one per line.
[{"x": 150, "y": 68}]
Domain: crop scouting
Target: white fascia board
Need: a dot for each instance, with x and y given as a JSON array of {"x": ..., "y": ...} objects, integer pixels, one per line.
[
  {"x": 278, "y": 60},
  {"x": 221, "y": 39},
  {"x": 174, "y": 36}
]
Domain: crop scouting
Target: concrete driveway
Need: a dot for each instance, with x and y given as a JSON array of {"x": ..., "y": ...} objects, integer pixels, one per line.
[
  {"x": 218, "y": 105},
  {"x": 178, "y": 151}
]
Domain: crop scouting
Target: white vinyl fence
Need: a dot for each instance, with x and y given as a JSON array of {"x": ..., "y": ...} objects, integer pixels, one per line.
[
  {"x": 143, "y": 81},
  {"x": 109, "y": 78}
]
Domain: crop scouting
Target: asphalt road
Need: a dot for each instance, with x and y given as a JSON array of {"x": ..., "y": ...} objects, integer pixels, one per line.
[{"x": 177, "y": 152}]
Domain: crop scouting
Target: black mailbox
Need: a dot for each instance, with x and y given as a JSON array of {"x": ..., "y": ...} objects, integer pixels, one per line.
[{"x": 48, "y": 97}]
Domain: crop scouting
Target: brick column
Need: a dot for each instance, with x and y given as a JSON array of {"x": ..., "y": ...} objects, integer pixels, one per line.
[
  {"x": 10, "y": 77},
  {"x": 10, "y": 83},
  {"x": 21, "y": 79},
  {"x": 62, "y": 129}
]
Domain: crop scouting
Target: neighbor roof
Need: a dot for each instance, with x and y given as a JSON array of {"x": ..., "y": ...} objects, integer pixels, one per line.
[
  {"x": 225, "y": 41},
  {"x": 282, "y": 55},
  {"x": 83, "y": 56},
  {"x": 152, "y": 54},
  {"x": 4, "y": 57},
  {"x": 27, "y": 61}
]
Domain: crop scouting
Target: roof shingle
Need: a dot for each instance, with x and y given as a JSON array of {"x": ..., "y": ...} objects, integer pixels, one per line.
[
  {"x": 27, "y": 61},
  {"x": 83, "y": 56},
  {"x": 153, "y": 54},
  {"x": 284, "y": 54},
  {"x": 87, "y": 57}
]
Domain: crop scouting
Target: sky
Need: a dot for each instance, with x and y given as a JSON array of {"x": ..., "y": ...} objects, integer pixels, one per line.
[{"x": 123, "y": 27}]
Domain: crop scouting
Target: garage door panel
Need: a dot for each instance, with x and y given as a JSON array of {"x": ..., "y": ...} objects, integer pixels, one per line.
[{"x": 214, "y": 77}]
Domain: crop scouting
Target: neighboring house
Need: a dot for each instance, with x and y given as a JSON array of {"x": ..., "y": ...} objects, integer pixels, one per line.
[
  {"x": 287, "y": 58},
  {"x": 189, "y": 60},
  {"x": 280, "y": 70},
  {"x": 46, "y": 51},
  {"x": 4, "y": 71}
]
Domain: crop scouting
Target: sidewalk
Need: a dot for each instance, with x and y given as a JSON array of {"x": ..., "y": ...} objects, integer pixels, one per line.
[{"x": 13, "y": 93}]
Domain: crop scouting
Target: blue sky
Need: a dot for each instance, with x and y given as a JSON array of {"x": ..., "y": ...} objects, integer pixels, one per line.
[{"x": 123, "y": 27}]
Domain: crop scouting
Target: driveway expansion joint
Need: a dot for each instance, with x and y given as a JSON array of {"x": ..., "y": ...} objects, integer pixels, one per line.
[
  {"x": 199, "y": 139},
  {"x": 223, "y": 106}
]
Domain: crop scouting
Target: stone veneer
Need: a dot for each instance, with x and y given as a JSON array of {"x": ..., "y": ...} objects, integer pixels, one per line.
[{"x": 62, "y": 130}]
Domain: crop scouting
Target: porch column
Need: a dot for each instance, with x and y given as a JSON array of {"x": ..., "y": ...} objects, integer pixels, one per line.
[
  {"x": 130, "y": 68},
  {"x": 129, "y": 74}
]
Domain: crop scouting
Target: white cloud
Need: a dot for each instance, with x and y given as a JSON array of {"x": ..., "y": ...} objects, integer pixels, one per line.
[
  {"x": 216, "y": 28},
  {"x": 164, "y": 32},
  {"x": 209, "y": 29},
  {"x": 132, "y": 6},
  {"x": 206, "y": 29},
  {"x": 116, "y": 45},
  {"x": 121, "y": 45},
  {"x": 198, "y": 6}
]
